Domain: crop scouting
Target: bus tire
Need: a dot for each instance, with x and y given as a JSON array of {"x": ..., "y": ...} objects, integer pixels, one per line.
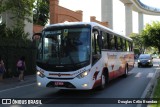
[
  {"x": 126, "y": 72},
  {"x": 104, "y": 80}
]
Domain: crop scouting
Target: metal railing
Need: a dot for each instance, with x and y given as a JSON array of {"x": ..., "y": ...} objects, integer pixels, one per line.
[{"x": 148, "y": 7}]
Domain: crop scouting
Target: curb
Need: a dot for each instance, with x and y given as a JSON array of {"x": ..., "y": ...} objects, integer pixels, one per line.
[
  {"x": 148, "y": 92},
  {"x": 155, "y": 84}
]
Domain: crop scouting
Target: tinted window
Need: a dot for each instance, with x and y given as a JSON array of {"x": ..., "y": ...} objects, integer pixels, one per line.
[
  {"x": 144, "y": 56},
  {"x": 105, "y": 40},
  {"x": 112, "y": 42},
  {"x": 119, "y": 43}
]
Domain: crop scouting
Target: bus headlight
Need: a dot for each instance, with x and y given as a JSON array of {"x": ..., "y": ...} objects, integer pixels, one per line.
[
  {"x": 39, "y": 84},
  {"x": 83, "y": 74},
  {"x": 149, "y": 60},
  {"x": 138, "y": 60},
  {"x": 39, "y": 73}
]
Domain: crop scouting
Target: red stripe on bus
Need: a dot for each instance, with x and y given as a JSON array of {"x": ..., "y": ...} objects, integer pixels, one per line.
[{"x": 97, "y": 83}]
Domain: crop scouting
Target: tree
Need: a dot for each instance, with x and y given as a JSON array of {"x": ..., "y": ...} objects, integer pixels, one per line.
[
  {"x": 41, "y": 12},
  {"x": 151, "y": 35},
  {"x": 21, "y": 10},
  {"x": 138, "y": 42},
  {"x": 16, "y": 33}
]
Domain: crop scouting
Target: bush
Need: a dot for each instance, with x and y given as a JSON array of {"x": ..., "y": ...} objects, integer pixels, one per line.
[
  {"x": 16, "y": 33},
  {"x": 13, "y": 45},
  {"x": 13, "y": 51}
]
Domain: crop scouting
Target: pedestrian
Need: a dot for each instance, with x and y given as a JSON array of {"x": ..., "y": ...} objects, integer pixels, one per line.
[
  {"x": 2, "y": 69},
  {"x": 21, "y": 66}
]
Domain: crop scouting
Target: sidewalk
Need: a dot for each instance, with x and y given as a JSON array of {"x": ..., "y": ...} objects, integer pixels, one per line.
[
  {"x": 8, "y": 82},
  {"x": 153, "y": 86},
  {"x": 148, "y": 92}
]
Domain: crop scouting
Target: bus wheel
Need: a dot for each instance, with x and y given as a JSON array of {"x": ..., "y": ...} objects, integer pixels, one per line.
[{"x": 126, "y": 72}]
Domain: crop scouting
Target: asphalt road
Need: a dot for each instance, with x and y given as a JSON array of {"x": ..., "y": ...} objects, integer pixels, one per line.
[{"x": 131, "y": 87}]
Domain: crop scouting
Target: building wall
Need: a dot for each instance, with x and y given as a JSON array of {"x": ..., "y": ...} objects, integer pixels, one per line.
[
  {"x": 59, "y": 14},
  {"x": 37, "y": 28},
  {"x": 29, "y": 27},
  {"x": 10, "y": 23},
  {"x": 6, "y": 18},
  {"x": 93, "y": 19},
  {"x": 65, "y": 14}
]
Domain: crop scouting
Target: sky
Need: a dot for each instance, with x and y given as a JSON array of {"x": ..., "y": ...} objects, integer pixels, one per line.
[{"x": 93, "y": 8}]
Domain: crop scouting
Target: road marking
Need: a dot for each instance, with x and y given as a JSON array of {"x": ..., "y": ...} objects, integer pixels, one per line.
[
  {"x": 150, "y": 75},
  {"x": 148, "y": 88},
  {"x": 138, "y": 74},
  {"x": 17, "y": 87}
]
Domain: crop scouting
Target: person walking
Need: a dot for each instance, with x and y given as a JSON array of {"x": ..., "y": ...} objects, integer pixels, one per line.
[
  {"x": 2, "y": 69},
  {"x": 21, "y": 66}
]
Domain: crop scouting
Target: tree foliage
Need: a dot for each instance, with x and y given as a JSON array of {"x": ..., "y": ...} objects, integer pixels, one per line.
[
  {"x": 138, "y": 42},
  {"x": 151, "y": 35},
  {"x": 41, "y": 12},
  {"x": 21, "y": 10},
  {"x": 14, "y": 33}
]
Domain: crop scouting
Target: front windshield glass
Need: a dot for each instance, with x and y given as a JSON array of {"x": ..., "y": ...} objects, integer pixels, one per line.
[
  {"x": 67, "y": 46},
  {"x": 144, "y": 56}
]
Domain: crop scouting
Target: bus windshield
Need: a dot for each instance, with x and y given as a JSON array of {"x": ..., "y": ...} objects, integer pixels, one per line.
[{"x": 64, "y": 46}]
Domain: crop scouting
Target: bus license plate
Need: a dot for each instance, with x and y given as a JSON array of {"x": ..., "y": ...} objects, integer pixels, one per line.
[{"x": 58, "y": 83}]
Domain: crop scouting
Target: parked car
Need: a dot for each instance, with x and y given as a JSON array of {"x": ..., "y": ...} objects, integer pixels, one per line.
[{"x": 145, "y": 60}]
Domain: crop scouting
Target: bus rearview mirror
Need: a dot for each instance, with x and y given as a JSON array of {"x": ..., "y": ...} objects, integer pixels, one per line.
[{"x": 36, "y": 36}]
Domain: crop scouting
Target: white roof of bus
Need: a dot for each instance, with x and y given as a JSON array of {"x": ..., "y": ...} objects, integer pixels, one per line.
[{"x": 93, "y": 24}]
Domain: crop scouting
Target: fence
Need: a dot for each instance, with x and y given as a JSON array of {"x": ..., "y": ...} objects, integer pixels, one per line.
[{"x": 11, "y": 51}]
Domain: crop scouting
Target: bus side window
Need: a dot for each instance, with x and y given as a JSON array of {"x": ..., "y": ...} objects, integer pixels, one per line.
[
  {"x": 108, "y": 41},
  {"x": 127, "y": 44},
  {"x": 119, "y": 44},
  {"x": 96, "y": 54},
  {"x": 116, "y": 43},
  {"x": 105, "y": 40},
  {"x": 130, "y": 46},
  {"x": 123, "y": 45},
  {"x": 112, "y": 42}
]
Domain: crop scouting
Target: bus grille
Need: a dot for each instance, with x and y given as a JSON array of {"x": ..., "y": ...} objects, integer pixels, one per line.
[{"x": 60, "y": 78}]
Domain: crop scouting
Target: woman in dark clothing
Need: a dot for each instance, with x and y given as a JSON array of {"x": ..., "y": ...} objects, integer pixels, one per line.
[
  {"x": 2, "y": 69},
  {"x": 21, "y": 66}
]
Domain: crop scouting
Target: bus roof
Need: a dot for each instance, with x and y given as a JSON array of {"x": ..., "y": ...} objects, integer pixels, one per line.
[{"x": 92, "y": 24}]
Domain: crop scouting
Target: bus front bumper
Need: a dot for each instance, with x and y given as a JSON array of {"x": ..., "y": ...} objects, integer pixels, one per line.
[{"x": 75, "y": 83}]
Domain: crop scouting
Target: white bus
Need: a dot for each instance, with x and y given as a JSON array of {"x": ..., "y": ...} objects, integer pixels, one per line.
[{"x": 82, "y": 56}]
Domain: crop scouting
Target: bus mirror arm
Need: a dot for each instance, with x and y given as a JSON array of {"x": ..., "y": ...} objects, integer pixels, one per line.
[
  {"x": 36, "y": 36},
  {"x": 99, "y": 40}
]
